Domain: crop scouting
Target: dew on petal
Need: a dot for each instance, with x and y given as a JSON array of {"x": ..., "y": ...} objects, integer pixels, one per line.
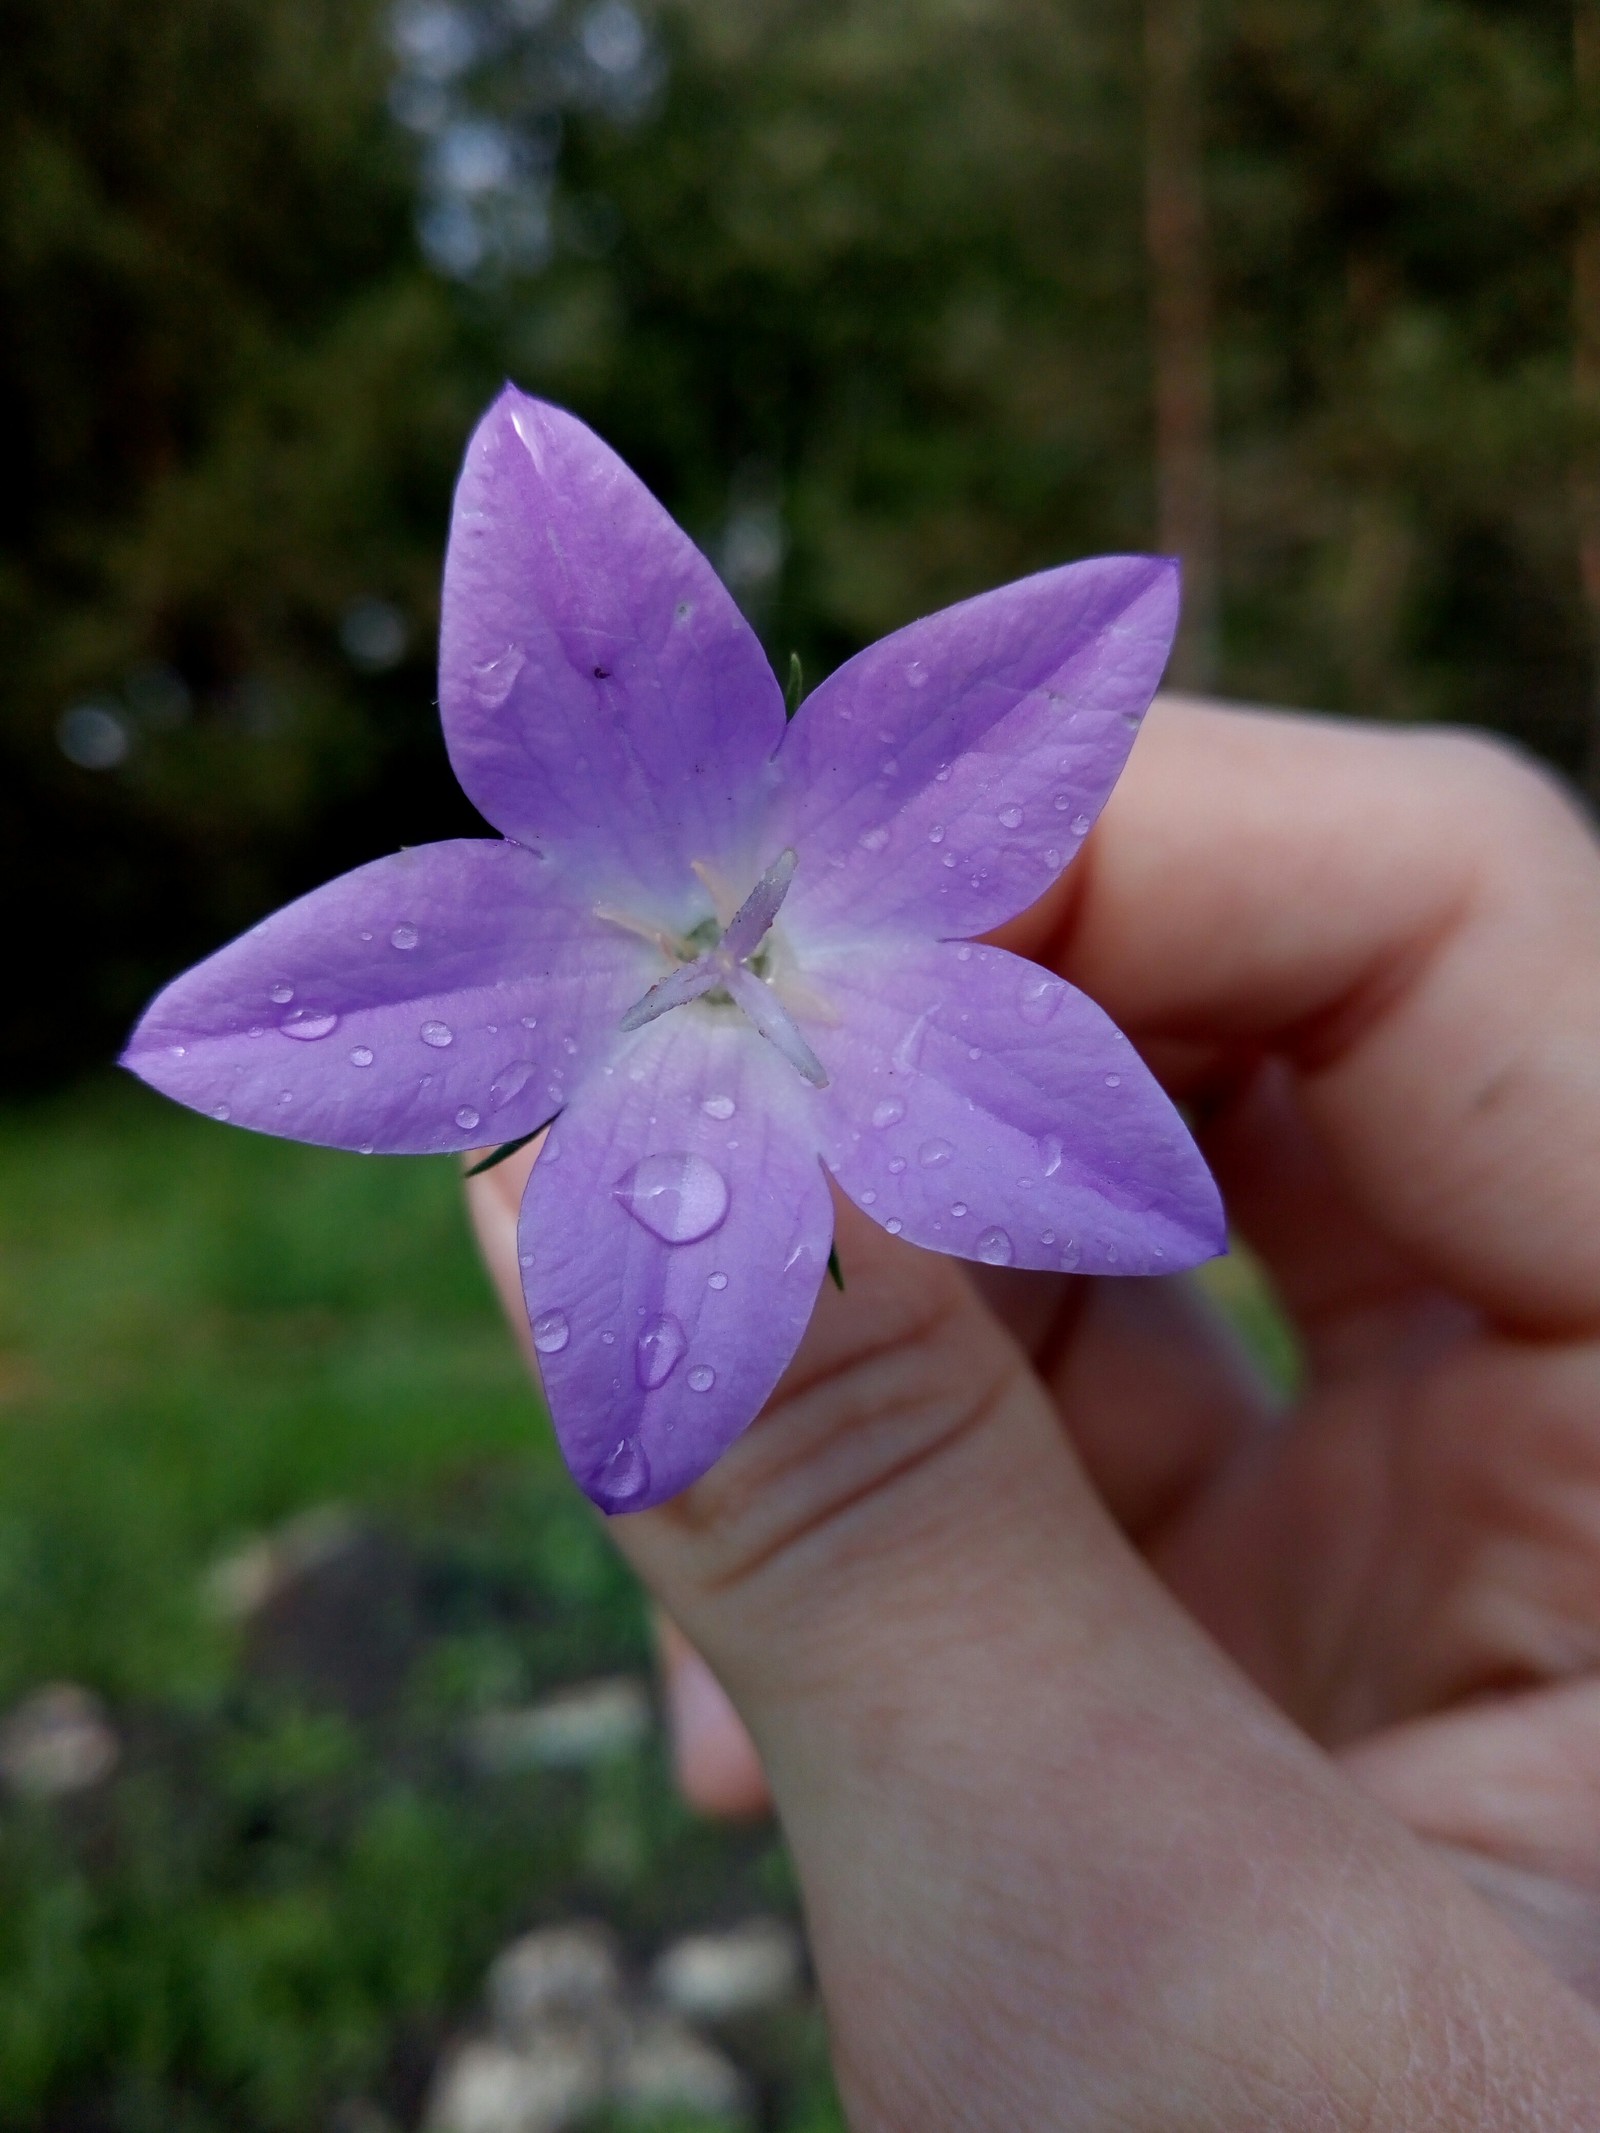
[
  {"x": 894, "y": 1225},
  {"x": 874, "y": 840},
  {"x": 889, "y": 1112},
  {"x": 494, "y": 679},
  {"x": 936, "y": 834},
  {"x": 942, "y": 775},
  {"x": 1113, "y": 1081},
  {"x": 1063, "y": 800},
  {"x": 285, "y": 1096},
  {"x": 525, "y": 1259},
  {"x": 916, "y": 674},
  {"x": 994, "y": 1248},
  {"x": 178, "y": 1051},
  {"x": 716, "y": 1281},
  {"x": 949, "y": 860},
  {"x": 869, "y": 1198},
  {"x": 438, "y": 1034},
  {"x": 361, "y": 1055},
  {"x": 404, "y": 936},
  {"x": 1050, "y": 1154},
  {"x": 658, "y": 1351},
  {"x": 1040, "y": 997},
  {"x": 624, "y": 1478},
  {"x": 509, "y": 1082},
  {"x": 934, "y": 1154},
  {"x": 551, "y": 1332},
  {"x": 1010, "y": 818},
  {"x": 1081, "y": 825},
  {"x": 308, "y": 1024},
  {"x": 466, "y": 1118},
  {"x": 280, "y": 994},
  {"x": 1052, "y": 859},
  {"x": 366, "y": 933},
  {"x": 677, "y": 1196},
  {"x": 221, "y": 1111},
  {"x": 896, "y": 1165},
  {"x": 530, "y": 1021},
  {"x": 702, "y": 1377},
  {"x": 907, "y": 1052},
  {"x": 366, "y": 1148},
  {"x": 719, "y": 1107},
  {"x": 958, "y": 1207}
]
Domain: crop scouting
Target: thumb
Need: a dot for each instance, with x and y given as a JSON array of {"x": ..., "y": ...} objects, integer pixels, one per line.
[{"x": 1061, "y": 1866}]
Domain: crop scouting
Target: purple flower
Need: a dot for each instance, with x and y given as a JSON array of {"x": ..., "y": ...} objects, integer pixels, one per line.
[{"x": 731, "y": 957}]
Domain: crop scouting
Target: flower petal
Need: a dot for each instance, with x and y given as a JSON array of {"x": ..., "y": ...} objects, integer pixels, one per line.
[
  {"x": 442, "y": 998},
  {"x": 602, "y": 695},
  {"x": 980, "y": 1105},
  {"x": 942, "y": 778},
  {"x": 672, "y": 1238}
]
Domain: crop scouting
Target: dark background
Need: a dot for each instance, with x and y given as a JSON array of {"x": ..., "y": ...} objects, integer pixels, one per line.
[{"x": 890, "y": 301}]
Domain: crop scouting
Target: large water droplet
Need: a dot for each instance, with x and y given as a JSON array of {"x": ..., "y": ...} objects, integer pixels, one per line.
[
  {"x": 1011, "y": 818},
  {"x": 551, "y": 1332},
  {"x": 404, "y": 936},
  {"x": 1040, "y": 997},
  {"x": 889, "y": 1112},
  {"x": 702, "y": 1378},
  {"x": 308, "y": 1024},
  {"x": 1050, "y": 1153},
  {"x": 994, "y": 1248},
  {"x": 361, "y": 1055},
  {"x": 678, "y": 1197},
  {"x": 719, "y": 1107},
  {"x": 624, "y": 1478},
  {"x": 282, "y": 994},
  {"x": 466, "y": 1118},
  {"x": 658, "y": 1351},
  {"x": 958, "y": 1207},
  {"x": 438, "y": 1034},
  {"x": 494, "y": 679},
  {"x": 934, "y": 1154},
  {"x": 509, "y": 1082}
]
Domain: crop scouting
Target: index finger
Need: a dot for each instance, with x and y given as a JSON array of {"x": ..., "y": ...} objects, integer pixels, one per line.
[{"x": 1412, "y": 920}]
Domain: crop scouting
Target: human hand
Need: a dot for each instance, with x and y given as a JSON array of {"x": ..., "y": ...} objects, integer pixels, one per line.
[{"x": 1104, "y": 1707}]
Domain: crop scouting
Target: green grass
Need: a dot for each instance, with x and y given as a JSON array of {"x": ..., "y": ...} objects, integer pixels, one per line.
[{"x": 279, "y": 1903}]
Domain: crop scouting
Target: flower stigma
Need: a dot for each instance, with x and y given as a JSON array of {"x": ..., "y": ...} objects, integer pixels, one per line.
[{"x": 730, "y": 961}]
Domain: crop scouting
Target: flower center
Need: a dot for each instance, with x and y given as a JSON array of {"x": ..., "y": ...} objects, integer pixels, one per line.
[{"x": 729, "y": 964}]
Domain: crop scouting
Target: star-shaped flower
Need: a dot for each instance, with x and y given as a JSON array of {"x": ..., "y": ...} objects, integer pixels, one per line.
[{"x": 732, "y": 957}]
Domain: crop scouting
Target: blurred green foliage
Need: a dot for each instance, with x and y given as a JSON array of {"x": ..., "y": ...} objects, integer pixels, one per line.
[{"x": 860, "y": 287}]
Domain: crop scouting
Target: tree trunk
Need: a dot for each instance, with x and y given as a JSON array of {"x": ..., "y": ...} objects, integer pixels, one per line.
[
  {"x": 1586, "y": 356},
  {"x": 1180, "y": 305}
]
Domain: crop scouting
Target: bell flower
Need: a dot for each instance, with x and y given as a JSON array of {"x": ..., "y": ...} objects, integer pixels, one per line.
[{"x": 733, "y": 957}]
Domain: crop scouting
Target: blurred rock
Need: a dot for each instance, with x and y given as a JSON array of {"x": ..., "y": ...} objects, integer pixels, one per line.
[
  {"x": 591, "y": 1723},
  {"x": 663, "y": 2067},
  {"x": 486, "y": 2087},
  {"x": 58, "y": 1741},
  {"x": 241, "y": 1584},
  {"x": 721, "y": 1977},
  {"x": 564, "y": 1972}
]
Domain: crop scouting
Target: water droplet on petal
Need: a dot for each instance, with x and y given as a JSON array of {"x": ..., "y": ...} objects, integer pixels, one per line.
[
  {"x": 530, "y": 1021},
  {"x": 889, "y": 1112},
  {"x": 551, "y": 1331},
  {"x": 1050, "y": 1153},
  {"x": 896, "y": 1165},
  {"x": 894, "y": 1225},
  {"x": 1011, "y": 818},
  {"x": 285, "y": 1096},
  {"x": 1113, "y": 1081},
  {"x": 624, "y": 1478},
  {"x": 509, "y": 1082},
  {"x": 1052, "y": 860},
  {"x": 1081, "y": 825},
  {"x": 1040, "y": 997},
  {"x": 494, "y": 679},
  {"x": 658, "y": 1351},
  {"x": 702, "y": 1378},
  {"x": 366, "y": 933},
  {"x": 466, "y": 1118},
  {"x": 365, "y": 1148},
  {"x": 308, "y": 1024},
  {"x": 525, "y": 1259},
  {"x": 438, "y": 1034},
  {"x": 678, "y": 1197},
  {"x": 361, "y": 1055},
  {"x": 282, "y": 994},
  {"x": 719, "y": 1107},
  {"x": 1063, "y": 800},
  {"x": 178, "y": 1051},
  {"x": 716, "y": 1281},
  {"x": 994, "y": 1248},
  {"x": 221, "y": 1111},
  {"x": 949, "y": 860},
  {"x": 934, "y": 1154},
  {"x": 404, "y": 936},
  {"x": 958, "y": 1207},
  {"x": 916, "y": 674},
  {"x": 1047, "y": 1236},
  {"x": 936, "y": 834},
  {"x": 869, "y": 1198},
  {"x": 942, "y": 775}
]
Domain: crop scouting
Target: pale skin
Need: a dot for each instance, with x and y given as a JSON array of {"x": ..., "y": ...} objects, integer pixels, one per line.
[{"x": 1151, "y": 1758}]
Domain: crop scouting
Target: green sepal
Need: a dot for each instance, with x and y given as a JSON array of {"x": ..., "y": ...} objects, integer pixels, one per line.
[
  {"x": 835, "y": 1269},
  {"x": 794, "y": 688},
  {"x": 506, "y": 1148}
]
